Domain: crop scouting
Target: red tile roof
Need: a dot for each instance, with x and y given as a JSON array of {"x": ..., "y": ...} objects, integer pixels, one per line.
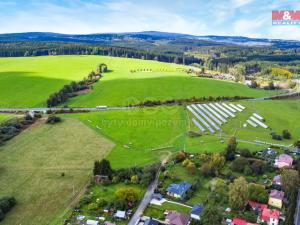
[
  {"x": 238, "y": 221},
  {"x": 257, "y": 205},
  {"x": 267, "y": 214}
]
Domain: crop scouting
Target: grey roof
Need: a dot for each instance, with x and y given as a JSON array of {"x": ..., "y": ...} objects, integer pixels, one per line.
[
  {"x": 297, "y": 211},
  {"x": 180, "y": 188}
]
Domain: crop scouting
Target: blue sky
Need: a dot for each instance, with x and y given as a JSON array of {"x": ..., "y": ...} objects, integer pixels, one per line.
[{"x": 250, "y": 18}]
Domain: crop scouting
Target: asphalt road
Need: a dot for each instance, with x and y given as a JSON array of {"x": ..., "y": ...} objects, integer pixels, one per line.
[
  {"x": 89, "y": 109},
  {"x": 143, "y": 204},
  {"x": 75, "y": 109}
]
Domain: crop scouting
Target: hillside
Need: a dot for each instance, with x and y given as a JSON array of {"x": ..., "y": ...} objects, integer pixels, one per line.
[{"x": 28, "y": 81}]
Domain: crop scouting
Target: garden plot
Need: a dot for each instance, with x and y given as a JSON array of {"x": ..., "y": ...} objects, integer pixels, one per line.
[{"x": 213, "y": 115}]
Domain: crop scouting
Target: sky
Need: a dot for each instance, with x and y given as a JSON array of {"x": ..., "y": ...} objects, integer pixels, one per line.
[{"x": 251, "y": 18}]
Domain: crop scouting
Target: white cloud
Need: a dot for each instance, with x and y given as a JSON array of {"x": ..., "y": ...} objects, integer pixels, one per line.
[
  {"x": 240, "y": 3},
  {"x": 284, "y": 32},
  {"x": 249, "y": 28}
]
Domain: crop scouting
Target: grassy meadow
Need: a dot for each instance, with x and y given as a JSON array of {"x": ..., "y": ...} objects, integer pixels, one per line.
[
  {"x": 28, "y": 81},
  {"x": 4, "y": 117},
  {"x": 31, "y": 165},
  {"x": 142, "y": 136}
]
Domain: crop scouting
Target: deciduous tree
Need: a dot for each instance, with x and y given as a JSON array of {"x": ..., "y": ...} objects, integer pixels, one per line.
[{"x": 238, "y": 193}]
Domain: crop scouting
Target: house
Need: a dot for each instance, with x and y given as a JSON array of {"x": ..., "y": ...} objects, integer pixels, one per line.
[
  {"x": 175, "y": 218},
  {"x": 277, "y": 181},
  {"x": 178, "y": 190},
  {"x": 238, "y": 221},
  {"x": 92, "y": 222},
  {"x": 283, "y": 160},
  {"x": 196, "y": 211},
  {"x": 268, "y": 154},
  {"x": 101, "y": 178},
  {"x": 120, "y": 214},
  {"x": 297, "y": 210},
  {"x": 151, "y": 222},
  {"x": 257, "y": 207},
  {"x": 270, "y": 216},
  {"x": 276, "y": 198}
]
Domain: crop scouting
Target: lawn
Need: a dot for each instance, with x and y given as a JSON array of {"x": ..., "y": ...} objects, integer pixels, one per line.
[
  {"x": 142, "y": 136},
  {"x": 155, "y": 211},
  {"x": 279, "y": 115},
  {"x": 28, "y": 81},
  {"x": 32, "y": 164}
]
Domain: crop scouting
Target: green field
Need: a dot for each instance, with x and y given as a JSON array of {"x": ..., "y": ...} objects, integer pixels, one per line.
[
  {"x": 139, "y": 133},
  {"x": 4, "y": 117},
  {"x": 279, "y": 115},
  {"x": 31, "y": 165},
  {"x": 28, "y": 81}
]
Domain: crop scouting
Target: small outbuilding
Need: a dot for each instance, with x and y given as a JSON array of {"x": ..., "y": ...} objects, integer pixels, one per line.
[{"x": 196, "y": 211}]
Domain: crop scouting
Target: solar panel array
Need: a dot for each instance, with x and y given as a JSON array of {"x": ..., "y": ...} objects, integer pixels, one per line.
[
  {"x": 213, "y": 115},
  {"x": 257, "y": 120}
]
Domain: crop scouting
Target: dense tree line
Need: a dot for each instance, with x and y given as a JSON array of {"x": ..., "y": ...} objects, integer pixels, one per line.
[
  {"x": 194, "y": 99},
  {"x": 143, "y": 175},
  {"x": 13, "y": 127},
  {"x": 6, "y": 204},
  {"x": 70, "y": 90},
  {"x": 18, "y": 49}
]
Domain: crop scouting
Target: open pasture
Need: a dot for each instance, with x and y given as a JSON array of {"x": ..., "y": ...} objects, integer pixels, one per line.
[
  {"x": 142, "y": 136},
  {"x": 28, "y": 81},
  {"x": 31, "y": 167}
]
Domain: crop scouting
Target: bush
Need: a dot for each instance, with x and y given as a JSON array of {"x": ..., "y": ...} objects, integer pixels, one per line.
[
  {"x": 286, "y": 134},
  {"x": 6, "y": 204},
  {"x": 247, "y": 170},
  {"x": 245, "y": 153},
  {"x": 258, "y": 167},
  {"x": 239, "y": 164},
  {"x": 276, "y": 136},
  {"x": 52, "y": 119}
]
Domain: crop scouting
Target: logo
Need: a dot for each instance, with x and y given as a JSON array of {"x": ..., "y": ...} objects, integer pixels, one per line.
[{"x": 286, "y": 17}]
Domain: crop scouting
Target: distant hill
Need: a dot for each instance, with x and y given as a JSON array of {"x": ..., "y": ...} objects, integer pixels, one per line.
[{"x": 131, "y": 39}]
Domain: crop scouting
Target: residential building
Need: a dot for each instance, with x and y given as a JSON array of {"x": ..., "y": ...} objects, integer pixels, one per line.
[
  {"x": 270, "y": 216},
  {"x": 238, "y": 221},
  {"x": 196, "y": 211},
  {"x": 120, "y": 214},
  {"x": 178, "y": 190},
  {"x": 257, "y": 207},
  {"x": 151, "y": 222},
  {"x": 276, "y": 198},
  {"x": 283, "y": 160},
  {"x": 277, "y": 181},
  {"x": 175, "y": 218}
]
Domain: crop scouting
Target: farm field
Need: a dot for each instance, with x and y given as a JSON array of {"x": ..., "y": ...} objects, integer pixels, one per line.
[
  {"x": 279, "y": 115},
  {"x": 142, "y": 136},
  {"x": 32, "y": 165},
  {"x": 28, "y": 81}
]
